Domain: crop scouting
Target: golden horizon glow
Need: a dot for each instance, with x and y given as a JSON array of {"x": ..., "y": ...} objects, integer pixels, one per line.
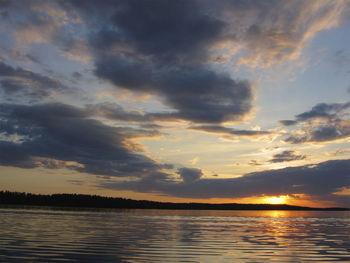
[{"x": 282, "y": 199}]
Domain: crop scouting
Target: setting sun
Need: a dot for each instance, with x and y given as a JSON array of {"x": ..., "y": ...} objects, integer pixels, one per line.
[{"x": 282, "y": 199}]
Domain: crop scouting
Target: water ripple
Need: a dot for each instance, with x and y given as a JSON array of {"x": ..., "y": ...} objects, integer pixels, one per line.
[{"x": 174, "y": 236}]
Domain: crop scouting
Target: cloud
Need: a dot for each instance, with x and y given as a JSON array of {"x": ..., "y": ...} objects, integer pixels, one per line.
[
  {"x": 318, "y": 181},
  {"x": 46, "y": 22},
  {"x": 288, "y": 122},
  {"x": 170, "y": 48},
  {"x": 17, "y": 81},
  {"x": 166, "y": 31},
  {"x": 19, "y": 56},
  {"x": 34, "y": 21},
  {"x": 323, "y": 123},
  {"x": 179, "y": 32},
  {"x": 114, "y": 111},
  {"x": 162, "y": 48},
  {"x": 77, "y": 49},
  {"x": 190, "y": 175},
  {"x": 254, "y": 163},
  {"x": 194, "y": 160},
  {"x": 324, "y": 110},
  {"x": 195, "y": 93},
  {"x": 276, "y": 31},
  {"x": 325, "y": 133},
  {"x": 65, "y": 134},
  {"x": 229, "y": 132},
  {"x": 287, "y": 156},
  {"x": 337, "y": 152},
  {"x": 165, "y": 48}
]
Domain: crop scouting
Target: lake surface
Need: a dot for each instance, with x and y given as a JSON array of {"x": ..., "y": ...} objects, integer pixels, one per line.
[{"x": 174, "y": 236}]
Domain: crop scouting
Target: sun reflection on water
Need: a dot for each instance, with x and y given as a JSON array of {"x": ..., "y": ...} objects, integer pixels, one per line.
[{"x": 278, "y": 214}]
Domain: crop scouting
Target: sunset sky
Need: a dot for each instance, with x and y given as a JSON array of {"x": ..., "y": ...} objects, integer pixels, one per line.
[{"x": 204, "y": 101}]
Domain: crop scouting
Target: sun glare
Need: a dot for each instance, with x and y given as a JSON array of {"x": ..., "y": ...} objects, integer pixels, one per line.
[{"x": 282, "y": 199}]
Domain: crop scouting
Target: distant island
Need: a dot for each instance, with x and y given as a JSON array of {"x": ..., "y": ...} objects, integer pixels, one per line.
[{"x": 96, "y": 201}]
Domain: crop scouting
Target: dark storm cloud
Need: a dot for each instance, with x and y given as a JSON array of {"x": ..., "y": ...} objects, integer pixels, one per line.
[
  {"x": 287, "y": 156},
  {"x": 324, "y": 122},
  {"x": 66, "y": 133},
  {"x": 319, "y": 180},
  {"x": 18, "y": 81},
  {"x": 190, "y": 175}
]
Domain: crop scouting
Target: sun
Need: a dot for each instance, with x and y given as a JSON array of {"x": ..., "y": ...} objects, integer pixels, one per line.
[{"x": 282, "y": 199}]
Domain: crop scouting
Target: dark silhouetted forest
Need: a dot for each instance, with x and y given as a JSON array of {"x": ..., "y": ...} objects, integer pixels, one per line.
[{"x": 95, "y": 201}]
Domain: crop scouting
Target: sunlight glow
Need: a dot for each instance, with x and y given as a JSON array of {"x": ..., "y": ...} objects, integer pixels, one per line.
[{"x": 282, "y": 199}]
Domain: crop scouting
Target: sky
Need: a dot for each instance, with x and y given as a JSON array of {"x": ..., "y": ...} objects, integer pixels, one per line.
[{"x": 183, "y": 101}]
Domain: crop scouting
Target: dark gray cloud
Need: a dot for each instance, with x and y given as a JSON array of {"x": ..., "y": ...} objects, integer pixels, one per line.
[
  {"x": 165, "y": 48},
  {"x": 190, "y": 175},
  {"x": 196, "y": 93},
  {"x": 116, "y": 112},
  {"x": 77, "y": 75},
  {"x": 19, "y": 82},
  {"x": 324, "y": 133},
  {"x": 166, "y": 31},
  {"x": 287, "y": 156},
  {"x": 324, "y": 110},
  {"x": 324, "y": 122},
  {"x": 288, "y": 122},
  {"x": 64, "y": 133},
  {"x": 319, "y": 181},
  {"x": 161, "y": 48},
  {"x": 178, "y": 32},
  {"x": 168, "y": 48}
]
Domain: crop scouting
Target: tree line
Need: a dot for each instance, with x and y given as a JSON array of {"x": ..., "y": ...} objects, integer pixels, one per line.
[{"x": 96, "y": 201}]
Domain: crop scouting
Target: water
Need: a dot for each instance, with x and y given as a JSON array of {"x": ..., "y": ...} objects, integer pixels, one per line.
[{"x": 174, "y": 236}]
